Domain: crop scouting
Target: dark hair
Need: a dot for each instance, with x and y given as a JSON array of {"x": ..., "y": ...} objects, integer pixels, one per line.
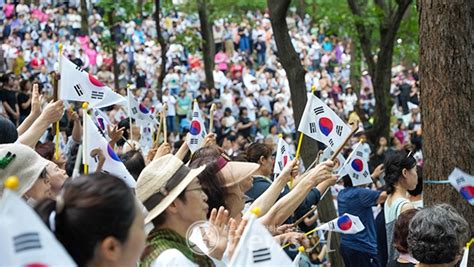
[
  {"x": 400, "y": 232},
  {"x": 256, "y": 150},
  {"x": 346, "y": 179},
  {"x": 8, "y": 132},
  {"x": 94, "y": 207},
  {"x": 394, "y": 165},
  {"x": 211, "y": 182},
  {"x": 134, "y": 162},
  {"x": 160, "y": 219},
  {"x": 419, "y": 186},
  {"x": 45, "y": 150}
]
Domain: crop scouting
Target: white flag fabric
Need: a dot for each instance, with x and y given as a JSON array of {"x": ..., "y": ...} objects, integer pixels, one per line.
[
  {"x": 258, "y": 248},
  {"x": 322, "y": 123},
  {"x": 340, "y": 160},
  {"x": 197, "y": 130},
  {"x": 146, "y": 138},
  {"x": 357, "y": 167},
  {"x": 465, "y": 257},
  {"x": 112, "y": 165},
  {"x": 464, "y": 184},
  {"x": 101, "y": 120},
  {"x": 282, "y": 156},
  {"x": 78, "y": 85},
  {"x": 24, "y": 238},
  {"x": 140, "y": 112},
  {"x": 346, "y": 224}
]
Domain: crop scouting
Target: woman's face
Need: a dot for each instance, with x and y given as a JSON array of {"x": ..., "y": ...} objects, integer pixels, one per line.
[
  {"x": 410, "y": 178},
  {"x": 41, "y": 189},
  {"x": 235, "y": 202},
  {"x": 56, "y": 176},
  {"x": 133, "y": 247},
  {"x": 382, "y": 141}
]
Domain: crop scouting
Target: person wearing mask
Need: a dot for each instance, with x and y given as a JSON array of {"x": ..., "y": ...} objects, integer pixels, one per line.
[
  {"x": 400, "y": 176},
  {"x": 96, "y": 203}
]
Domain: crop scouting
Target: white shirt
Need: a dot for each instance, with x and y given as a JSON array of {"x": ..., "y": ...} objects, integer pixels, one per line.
[
  {"x": 170, "y": 100},
  {"x": 172, "y": 257}
]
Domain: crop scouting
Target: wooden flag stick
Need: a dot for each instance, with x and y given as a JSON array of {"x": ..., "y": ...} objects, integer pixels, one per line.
[
  {"x": 130, "y": 114},
  {"x": 85, "y": 105},
  {"x": 165, "y": 129},
  {"x": 211, "y": 118},
  {"x": 157, "y": 137},
  {"x": 56, "y": 97}
]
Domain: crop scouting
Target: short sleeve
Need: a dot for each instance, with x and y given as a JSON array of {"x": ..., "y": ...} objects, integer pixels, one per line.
[
  {"x": 368, "y": 198},
  {"x": 172, "y": 257}
]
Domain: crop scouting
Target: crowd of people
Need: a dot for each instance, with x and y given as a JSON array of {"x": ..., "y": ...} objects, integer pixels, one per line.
[{"x": 232, "y": 174}]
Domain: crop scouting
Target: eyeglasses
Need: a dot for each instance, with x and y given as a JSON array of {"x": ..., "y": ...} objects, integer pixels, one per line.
[{"x": 194, "y": 189}]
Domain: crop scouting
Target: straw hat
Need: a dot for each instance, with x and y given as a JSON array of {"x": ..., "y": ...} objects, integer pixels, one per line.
[
  {"x": 235, "y": 172},
  {"x": 161, "y": 182},
  {"x": 23, "y": 162}
]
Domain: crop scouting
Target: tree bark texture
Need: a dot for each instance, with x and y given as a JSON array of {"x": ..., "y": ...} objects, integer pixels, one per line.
[
  {"x": 163, "y": 49},
  {"x": 208, "y": 47},
  {"x": 296, "y": 77},
  {"x": 115, "y": 67},
  {"x": 447, "y": 98},
  {"x": 380, "y": 70},
  {"x": 84, "y": 18}
]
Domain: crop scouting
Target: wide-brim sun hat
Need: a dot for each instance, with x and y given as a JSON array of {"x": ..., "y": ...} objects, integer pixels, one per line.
[
  {"x": 161, "y": 182},
  {"x": 23, "y": 162},
  {"x": 234, "y": 172}
]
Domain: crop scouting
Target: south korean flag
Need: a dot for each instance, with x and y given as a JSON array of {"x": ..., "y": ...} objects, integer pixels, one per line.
[
  {"x": 322, "y": 124},
  {"x": 24, "y": 238},
  {"x": 356, "y": 167},
  {"x": 197, "y": 130},
  {"x": 339, "y": 161},
  {"x": 282, "y": 156}
]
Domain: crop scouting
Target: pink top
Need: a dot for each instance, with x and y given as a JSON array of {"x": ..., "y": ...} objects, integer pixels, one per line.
[
  {"x": 8, "y": 10},
  {"x": 221, "y": 60},
  {"x": 92, "y": 55}
]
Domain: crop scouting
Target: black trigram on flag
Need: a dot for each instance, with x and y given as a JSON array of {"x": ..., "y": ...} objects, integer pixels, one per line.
[
  {"x": 283, "y": 149},
  {"x": 359, "y": 154},
  {"x": 134, "y": 110},
  {"x": 280, "y": 164},
  {"x": 355, "y": 176},
  {"x": 78, "y": 68},
  {"x": 26, "y": 241},
  {"x": 312, "y": 127},
  {"x": 331, "y": 142},
  {"x": 318, "y": 110},
  {"x": 193, "y": 141},
  {"x": 339, "y": 130},
  {"x": 366, "y": 173},
  {"x": 97, "y": 95},
  {"x": 195, "y": 114},
  {"x": 260, "y": 255},
  {"x": 78, "y": 90}
]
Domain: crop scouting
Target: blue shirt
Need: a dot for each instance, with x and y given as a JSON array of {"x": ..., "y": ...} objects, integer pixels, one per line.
[{"x": 358, "y": 202}]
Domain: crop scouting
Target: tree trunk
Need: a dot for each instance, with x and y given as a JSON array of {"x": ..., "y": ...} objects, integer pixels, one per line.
[
  {"x": 84, "y": 18},
  {"x": 115, "y": 67},
  {"x": 447, "y": 98},
  {"x": 296, "y": 77},
  {"x": 163, "y": 48},
  {"x": 301, "y": 8},
  {"x": 140, "y": 7},
  {"x": 208, "y": 47},
  {"x": 380, "y": 70}
]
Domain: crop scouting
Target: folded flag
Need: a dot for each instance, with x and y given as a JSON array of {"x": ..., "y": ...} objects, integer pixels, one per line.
[
  {"x": 357, "y": 167},
  {"x": 282, "y": 156},
  {"x": 101, "y": 120},
  {"x": 197, "y": 130},
  {"x": 78, "y": 85},
  {"x": 322, "y": 124},
  {"x": 141, "y": 114},
  {"x": 464, "y": 184},
  {"x": 346, "y": 224},
  {"x": 257, "y": 247},
  {"x": 339, "y": 161},
  {"x": 112, "y": 165},
  {"x": 24, "y": 238}
]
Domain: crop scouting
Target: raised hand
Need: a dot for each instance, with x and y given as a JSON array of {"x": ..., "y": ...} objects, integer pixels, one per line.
[
  {"x": 115, "y": 133},
  {"x": 53, "y": 112},
  {"x": 216, "y": 236},
  {"x": 36, "y": 101},
  {"x": 235, "y": 233}
]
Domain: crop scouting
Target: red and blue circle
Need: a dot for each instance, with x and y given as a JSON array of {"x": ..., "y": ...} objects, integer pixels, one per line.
[
  {"x": 344, "y": 223},
  {"x": 112, "y": 153},
  {"x": 95, "y": 82},
  {"x": 325, "y": 125},
  {"x": 467, "y": 192},
  {"x": 357, "y": 165},
  {"x": 101, "y": 123},
  {"x": 142, "y": 108},
  {"x": 195, "y": 128}
]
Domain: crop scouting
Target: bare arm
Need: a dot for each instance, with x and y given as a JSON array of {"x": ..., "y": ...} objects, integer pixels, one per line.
[
  {"x": 288, "y": 204},
  {"x": 52, "y": 113},
  {"x": 35, "y": 111}
]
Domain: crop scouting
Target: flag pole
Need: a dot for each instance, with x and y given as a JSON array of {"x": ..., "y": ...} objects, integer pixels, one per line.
[
  {"x": 85, "y": 105},
  {"x": 355, "y": 126},
  {"x": 165, "y": 129},
  {"x": 211, "y": 118},
  {"x": 157, "y": 137},
  {"x": 56, "y": 97},
  {"x": 130, "y": 114}
]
